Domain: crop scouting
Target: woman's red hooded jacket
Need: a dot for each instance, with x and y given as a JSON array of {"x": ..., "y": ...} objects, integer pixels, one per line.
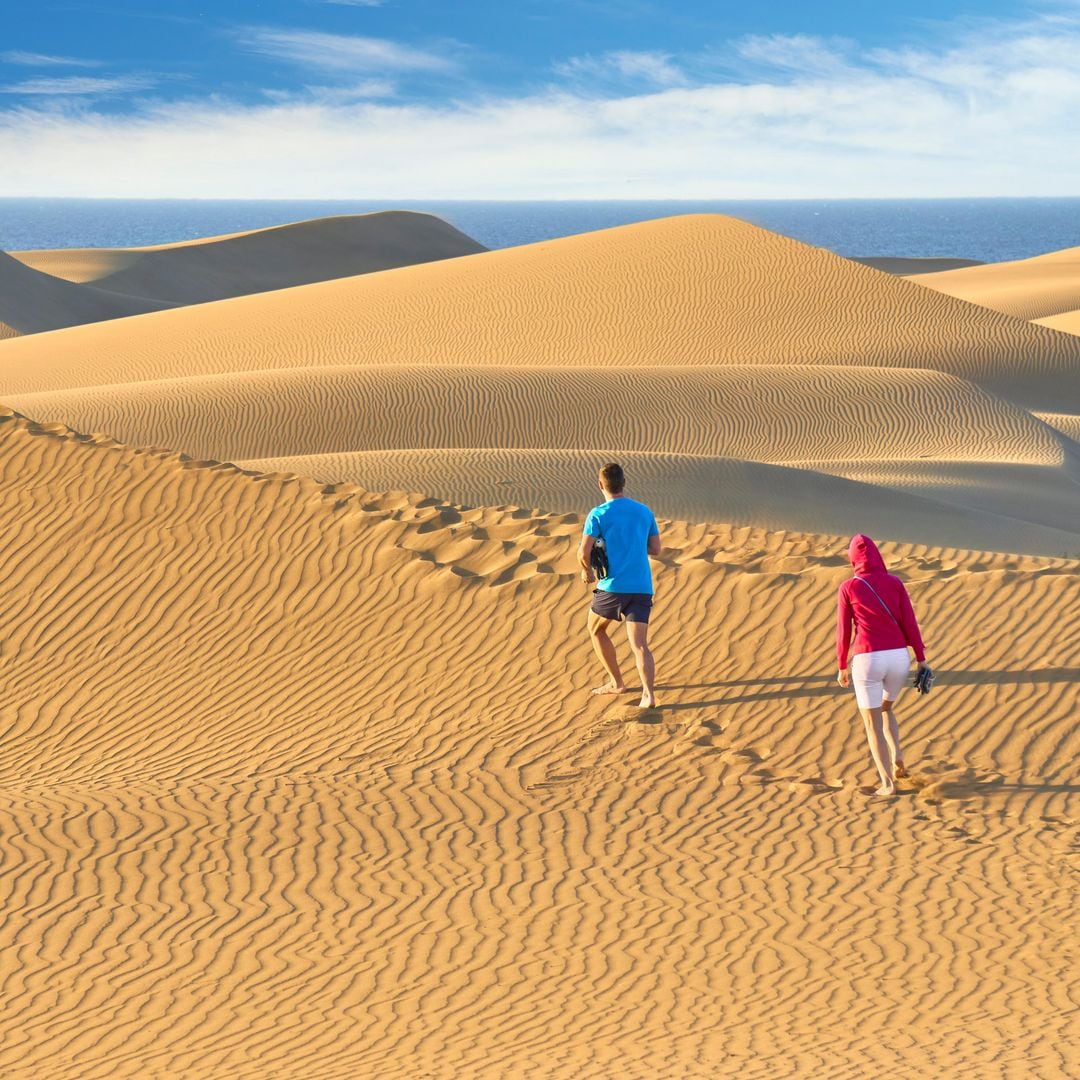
[{"x": 875, "y": 629}]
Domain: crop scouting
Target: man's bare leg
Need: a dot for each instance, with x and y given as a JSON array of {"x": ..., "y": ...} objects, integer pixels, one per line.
[
  {"x": 879, "y": 749},
  {"x": 638, "y": 635},
  {"x": 604, "y": 648},
  {"x": 892, "y": 736}
]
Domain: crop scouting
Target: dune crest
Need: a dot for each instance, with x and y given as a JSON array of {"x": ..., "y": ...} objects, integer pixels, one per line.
[
  {"x": 32, "y": 302},
  {"x": 700, "y": 290},
  {"x": 219, "y": 267},
  {"x": 1068, "y": 322},
  {"x": 1046, "y": 285},
  {"x": 917, "y": 430},
  {"x": 699, "y": 488}
]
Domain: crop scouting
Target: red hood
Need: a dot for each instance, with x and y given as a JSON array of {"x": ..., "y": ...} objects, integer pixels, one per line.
[{"x": 864, "y": 555}]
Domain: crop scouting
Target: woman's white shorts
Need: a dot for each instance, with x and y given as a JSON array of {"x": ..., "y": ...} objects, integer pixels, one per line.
[{"x": 877, "y": 675}]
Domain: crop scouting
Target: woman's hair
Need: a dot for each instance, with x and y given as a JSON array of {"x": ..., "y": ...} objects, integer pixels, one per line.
[{"x": 611, "y": 476}]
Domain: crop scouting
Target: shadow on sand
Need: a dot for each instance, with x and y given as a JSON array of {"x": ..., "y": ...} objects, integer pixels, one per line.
[{"x": 802, "y": 686}]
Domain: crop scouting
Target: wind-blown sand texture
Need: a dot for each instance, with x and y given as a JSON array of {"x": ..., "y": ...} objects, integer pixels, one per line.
[
  {"x": 307, "y": 782},
  {"x": 253, "y": 262},
  {"x": 687, "y": 291},
  {"x": 300, "y": 775},
  {"x": 924, "y": 431},
  {"x": 1027, "y": 288},
  {"x": 699, "y": 488},
  {"x": 697, "y": 336}
]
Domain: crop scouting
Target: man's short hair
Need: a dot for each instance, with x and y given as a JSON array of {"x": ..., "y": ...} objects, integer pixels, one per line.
[{"x": 611, "y": 476}]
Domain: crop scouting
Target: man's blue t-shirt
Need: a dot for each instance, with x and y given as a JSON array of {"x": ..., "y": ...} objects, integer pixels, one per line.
[{"x": 625, "y": 527}]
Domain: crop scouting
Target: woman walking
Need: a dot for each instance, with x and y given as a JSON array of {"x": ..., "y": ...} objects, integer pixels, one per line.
[{"x": 878, "y": 606}]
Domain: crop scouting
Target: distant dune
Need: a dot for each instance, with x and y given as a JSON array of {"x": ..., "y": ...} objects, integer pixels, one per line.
[
  {"x": 695, "y": 290},
  {"x": 760, "y": 412},
  {"x": 1068, "y": 322},
  {"x": 32, "y": 302},
  {"x": 1027, "y": 288},
  {"x": 219, "y": 267},
  {"x": 307, "y": 781},
  {"x": 913, "y": 429}
]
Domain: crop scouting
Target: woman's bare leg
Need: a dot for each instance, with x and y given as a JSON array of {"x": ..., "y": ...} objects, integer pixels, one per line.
[
  {"x": 892, "y": 736},
  {"x": 880, "y": 751}
]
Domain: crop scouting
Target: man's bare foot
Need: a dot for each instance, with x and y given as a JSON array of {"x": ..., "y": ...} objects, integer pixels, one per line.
[
  {"x": 900, "y": 771},
  {"x": 648, "y": 701},
  {"x": 610, "y": 688}
]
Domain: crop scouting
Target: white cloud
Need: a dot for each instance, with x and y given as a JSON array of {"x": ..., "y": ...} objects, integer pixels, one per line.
[
  {"x": 33, "y": 59},
  {"x": 339, "y": 52},
  {"x": 652, "y": 68},
  {"x": 335, "y": 95},
  {"x": 979, "y": 116},
  {"x": 801, "y": 53},
  {"x": 78, "y": 85}
]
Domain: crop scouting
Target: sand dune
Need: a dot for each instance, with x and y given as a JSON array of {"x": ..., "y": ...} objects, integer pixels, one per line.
[
  {"x": 1068, "y": 322},
  {"x": 253, "y": 262},
  {"x": 32, "y": 302},
  {"x": 307, "y": 782},
  {"x": 695, "y": 290},
  {"x": 694, "y": 488},
  {"x": 1067, "y": 423},
  {"x": 1027, "y": 288},
  {"x": 759, "y": 412},
  {"x": 886, "y": 427}
]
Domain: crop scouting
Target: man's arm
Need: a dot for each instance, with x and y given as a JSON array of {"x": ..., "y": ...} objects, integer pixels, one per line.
[
  {"x": 583, "y": 552},
  {"x": 654, "y": 546}
]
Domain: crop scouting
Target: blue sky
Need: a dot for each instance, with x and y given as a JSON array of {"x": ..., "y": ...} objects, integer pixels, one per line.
[{"x": 565, "y": 98}]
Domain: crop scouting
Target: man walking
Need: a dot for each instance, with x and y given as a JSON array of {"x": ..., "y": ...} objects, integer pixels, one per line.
[{"x": 628, "y": 534}]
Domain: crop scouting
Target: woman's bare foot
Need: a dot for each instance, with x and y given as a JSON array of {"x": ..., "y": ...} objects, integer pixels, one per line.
[
  {"x": 900, "y": 771},
  {"x": 648, "y": 701},
  {"x": 610, "y": 688},
  {"x": 885, "y": 791}
]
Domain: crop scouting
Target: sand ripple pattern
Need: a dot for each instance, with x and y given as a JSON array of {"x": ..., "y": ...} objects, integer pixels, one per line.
[
  {"x": 760, "y": 413},
  {"x": 698, "y": 488},
  {"x": 835, "y": 420},
  {"x": 271, "y": 807},
  {"x": 695, "y": 290}
]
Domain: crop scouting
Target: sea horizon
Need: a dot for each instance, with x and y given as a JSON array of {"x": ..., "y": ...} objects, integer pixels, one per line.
[{"x": 981, "y": 228}]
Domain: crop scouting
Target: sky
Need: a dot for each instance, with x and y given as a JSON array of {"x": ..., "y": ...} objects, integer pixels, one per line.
[{"x": 522, "y": 99}]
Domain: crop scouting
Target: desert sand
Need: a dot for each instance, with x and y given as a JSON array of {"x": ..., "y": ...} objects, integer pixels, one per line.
[
  {"x": 32, "y": 301},
  {"x": 699, "y": 290},
  {"x": 219, "y": 267},
  {"x": 1068, "y": 322},
  {"x": 301, "y": 775},
  {"x": 1027, "y": 288}
]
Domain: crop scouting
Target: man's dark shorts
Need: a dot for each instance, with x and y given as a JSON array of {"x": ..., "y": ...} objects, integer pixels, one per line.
[{"x": 626, "y": 606}]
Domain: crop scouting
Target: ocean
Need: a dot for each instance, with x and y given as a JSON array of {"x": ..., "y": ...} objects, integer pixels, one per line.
[{"x": 988, "y": 230}]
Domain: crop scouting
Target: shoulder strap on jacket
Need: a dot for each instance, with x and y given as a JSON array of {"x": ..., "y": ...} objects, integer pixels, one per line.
[{"x": 888, "y": 610}]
